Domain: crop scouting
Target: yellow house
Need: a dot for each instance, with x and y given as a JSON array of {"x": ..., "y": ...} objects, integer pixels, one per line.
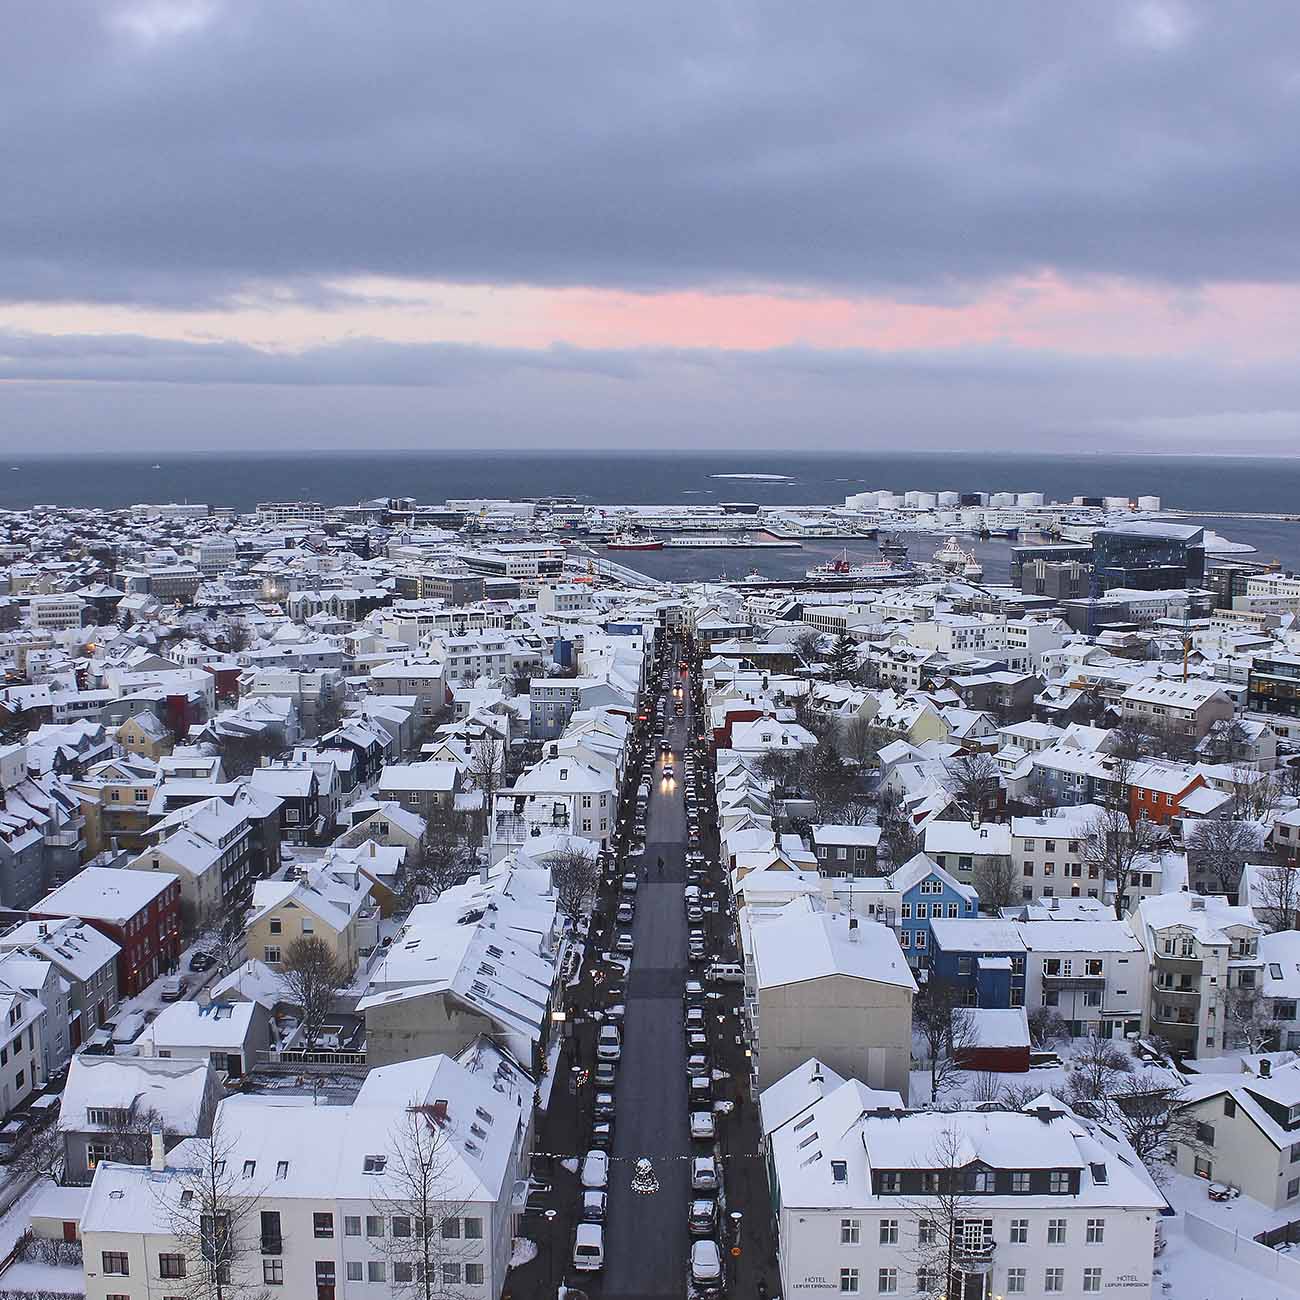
[
  {"x": 331, "y": 903},
  {"x": 145, "y": 735}
]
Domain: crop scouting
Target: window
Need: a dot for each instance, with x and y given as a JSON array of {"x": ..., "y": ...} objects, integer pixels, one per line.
[
  {"x": 403, "y": 1273},
  {"x": 890, "y": 1180},
  {"x": 324, "y": 1272},
  {"x": 273, "y": 1272},
  {"x": 1054, "y": 1280},
  {"x": 352, "y": 1225},
  {"x": 980, "y": 1180},
  {"x": 322, "y": 1225},
  {"x": 474, "y": 1275},
  {"x": 353, "y": 1270},
  {"x": 1205, "y": 1133},
  {"x": 473, "y": 1229},
  {"x": 1020, "y": 1180},
  {"x": 927, "y": 1279},
  {"x": 905, "y": 911},
  {"x": 374, "y": 1225},
  {"x": 271, "y": 955},
  {"x": 95, "y": 1152},
  {"x": 250, "y": 1168},
  {"x": 274, "y": 925},
  {"x": 887, "y": 1281},
  {"x": 926, "y": 1233},
  {"x": 848, "y": 1281},
  {"x": 451, "y": 1272},
  {"x": 1056, "y": 1232},
  {"x": 1096, "y": 1231},
  {"x": 171, "y": 1265},
  {"x": 451, "y": 1229},
  {"x": 850, "y": 1232},
  {"x": 1092, "y": 1279},
  {"x": 1015, "y": 1281},
  {"x": 114, "y": 1264},
  {"x": 1058, "y": 1182},
  {"x": 401, "y": 1225},
  {"x": 1295, "y": 1152},
  {"x": 1019, "y": 1232},
  {"x": 1293, "y": 1189},
  {"x": 889, "y": 1232},
  {"x": 375, "y": 1271}
]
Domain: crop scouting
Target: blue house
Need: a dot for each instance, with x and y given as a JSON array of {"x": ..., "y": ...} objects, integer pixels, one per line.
[
  {"x": 926, "y": 893},
  {"x": 985, "y": 957}
]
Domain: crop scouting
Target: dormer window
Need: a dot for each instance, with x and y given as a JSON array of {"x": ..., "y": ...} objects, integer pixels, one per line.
[{"x": 839, "y": 1171}]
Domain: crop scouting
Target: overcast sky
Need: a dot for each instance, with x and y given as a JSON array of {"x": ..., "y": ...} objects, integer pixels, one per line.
[{"x": 730, "y": 224}]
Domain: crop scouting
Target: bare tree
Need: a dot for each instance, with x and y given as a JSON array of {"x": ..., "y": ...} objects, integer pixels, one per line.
[
  {"x": 212, "y": 1213},
  {"x": 442, "y": 858},
  {"x": 946, "y": 1026},
  {"x": 996, "y": 883},
  {"x": 575, "y": 876},
  {"x": 897, "y": 830},
  {"x": 221, "y": 935},
  {"x": 949, "y": 1221},
  {"x": 826, "y": 779},
  {"x": 415, "y": 1196},
  {"x": 242, "y": 754},
  {"x": 1130, "y": 740},
  {"x": 1225, "y": 742},
  {"x": 1095, "y": 1069},
  {"x": 976, "y": 781},
  {"x": 808, "y": 645},
  {"x": 1247, "y": 1017},
  {"x": 861, "y": 744},
  {"x": 1046, "y": 1027},
  {"x": 1276, "y": 897},
  {"x": 42, "y": 1156},
  {"x": 487, "y": 759},
  {"x": 1112, "y": 848},
  {"x": 312, "y": 977},
  {"x": 1152, "y": 1115},
  {"x": 1255, "y": 794},
  {"x": 1218, "y": 850}
]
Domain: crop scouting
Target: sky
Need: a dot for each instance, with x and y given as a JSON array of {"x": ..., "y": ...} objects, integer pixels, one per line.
[{"x": 738, "y": 224}]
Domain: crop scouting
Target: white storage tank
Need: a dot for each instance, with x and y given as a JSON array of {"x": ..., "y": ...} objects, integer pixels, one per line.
[
  {"x": 948, "y": 499},
  {"x": 1148, "y": 503},
  {"x": 1028, "y": 500}
]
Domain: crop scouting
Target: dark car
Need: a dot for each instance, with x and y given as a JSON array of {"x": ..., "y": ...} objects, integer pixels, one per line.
[
  {"x": 202, "y": 961},
  {"x": 603, "y": 1106},
  {"x": 602, "y": 1135},
  {"x": 605, "y": 1074},
  {"x": 703, "y": 1217}
]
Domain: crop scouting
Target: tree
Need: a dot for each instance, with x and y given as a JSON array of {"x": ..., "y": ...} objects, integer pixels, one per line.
[
  {"x": 897, "y": 830},
  {"x": 976, "y": 781},
  {"x": 312, "y": 978},
  {"x": 842, "y": 661},
  {"x": 1111, "y": 848},
  {"x": 1153, "y": 1118},
  {"x": 943, "y": 1238},
  {"x": 1226, "y": 742},
  {"x": 1130, "y": 740},
  {"x": 42, "y": 1156},
  {"x": 1218, "y": 850},
  {"x": 487, "y": 758},
  {"x": 222, "y": 936},
  {"x": 861, "y": 743},
  {"x": 1276, "y": 897},
  {"x": 242, "y": 754},
  {"x": 1247, "y": 1017},
  {"x": 947, "y": 1027},
  {"x": 575, "y": 876},
  {"x": 329, "y": 712},
  {"x": 441, "y": 860},
  {"x": 996, "y": 883},
  {"x": 1046, "y": 1027},
  {"x": 1255, "y": 794},
  {"x": 1095, "y": 1069},
  {"x": 415, "y": 1198},
  {"x": 808, "y": 645},
  {"x": 826, "y": 779},
  {"x": 213, "y": 1214}
]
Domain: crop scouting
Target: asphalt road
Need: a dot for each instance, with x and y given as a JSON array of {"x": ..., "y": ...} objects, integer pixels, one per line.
[{"x": 646, "y": 1240}]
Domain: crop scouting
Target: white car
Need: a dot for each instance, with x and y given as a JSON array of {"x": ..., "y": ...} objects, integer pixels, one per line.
[
  {"x": 595, "y": 1171},
  {"x": 589, "y": 1247},
  {"x": 704, "y": 1174},
  {"x": 702, "y": 1127},
  {"x": 706, "y": 1267},
  {"x": 609, "y": 1046}
]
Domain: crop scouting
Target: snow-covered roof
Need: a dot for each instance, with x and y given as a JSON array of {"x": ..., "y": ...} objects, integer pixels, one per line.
[
  {"x": 112, "y": 894},
  {"x": 173, "y": 1088},
  {"x": 802, "y": 944}
]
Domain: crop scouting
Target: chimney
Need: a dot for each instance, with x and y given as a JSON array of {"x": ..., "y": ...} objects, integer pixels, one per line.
[
  {"x": 853, "y": 929},
  {"x": 440, "y": 1111},
  {"x": 157, "y": 1152},
  {"x": 1265, "y": 1067},
  {"x": 372, "y": 848}
]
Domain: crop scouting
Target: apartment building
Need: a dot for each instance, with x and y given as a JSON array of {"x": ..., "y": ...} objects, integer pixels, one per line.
[{"x": 1186, "y": 709}]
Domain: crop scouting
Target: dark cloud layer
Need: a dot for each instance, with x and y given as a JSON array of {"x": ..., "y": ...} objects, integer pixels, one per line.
[{"x": 920, "y": 147}]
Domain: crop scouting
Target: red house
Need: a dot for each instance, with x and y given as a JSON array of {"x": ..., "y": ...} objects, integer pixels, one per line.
[
  {"x": 998, "y": 1040},
  {"x": 139, "y": 910},
  {"x": 1156, "y": 792}
]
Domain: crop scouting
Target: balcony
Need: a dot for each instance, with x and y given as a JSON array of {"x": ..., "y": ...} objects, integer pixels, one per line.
[
  {"x": 1075, "y": 981},
  {"x": 1174, "y": 1016},
  {"x": 975, "y": 1257},
  {"x": 1179, "y": 997},
  {"x": 272, "y": 1245}
]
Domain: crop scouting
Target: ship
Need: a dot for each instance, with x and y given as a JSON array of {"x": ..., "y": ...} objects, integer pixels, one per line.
[
  {"x": 842, "y": 569},
  {"x": 634, "y": 542},
  {"x": 950, "y": 556},
  {"x": 890, "y": 545}
]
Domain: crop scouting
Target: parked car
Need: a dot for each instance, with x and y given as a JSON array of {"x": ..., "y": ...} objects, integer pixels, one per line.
[
  {"x": 697, "y": 1043},
  {"x": 588, "y": 1247},
  {"x": 706, "y": 1268},
  {"x": 202, "y": 961},
  {"x": 702, "y": 1218},
  {"x": 725, "y": 972},
  {"x": 694, "y": 1019},
  {"x": 626, "y": 911},
  {"x": 609, "y": 1044},
  {"x": 602, "y": 1135},
  {"x": 704, "y": 1174},
  {"x": 595, "y": 1171},
  {"x": 605, "y": 1074},
  {"x": 630, "y": 883},
  {"x": 693, "y": 994},
  {"x": 593, "y": 1206},
  {"x": 697, "y": 1063},
  {"x": 173, "y": 989},
  {"x": 625, "y": 944},
  {"x": 702, "y": 1126},
  {"x": 615, "y": 1012},
  {"x": 603, "y": 1105}
]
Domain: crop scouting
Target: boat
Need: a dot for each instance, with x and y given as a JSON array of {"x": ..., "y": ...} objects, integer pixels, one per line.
[
  {"x": 842, "y": 569},
  {"x": 890, "y": 545},
  {"x": 972, "y": 569},
  {"x": 634, "y": 542},
  {"x": 950, "y": 556}
]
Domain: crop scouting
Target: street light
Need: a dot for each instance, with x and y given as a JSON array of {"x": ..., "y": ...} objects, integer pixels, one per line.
[{"x": 550, "y": 1217}]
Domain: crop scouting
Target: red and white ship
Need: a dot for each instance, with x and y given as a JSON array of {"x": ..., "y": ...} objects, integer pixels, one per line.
[{"x": 634, "y": 542}]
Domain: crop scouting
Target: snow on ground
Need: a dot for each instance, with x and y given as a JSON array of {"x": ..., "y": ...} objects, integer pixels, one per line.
[
  {"x": 571, "y": 1165},
  {"x": 1241, "y": 1214},
  {"x": 15, "y": 1222},
  {"x": 964, "y": 1084},
  {"x": 522, "y": 1251},
  {"x": 30, "y": 1275},
  {"x": 1192, "y": 1273}
]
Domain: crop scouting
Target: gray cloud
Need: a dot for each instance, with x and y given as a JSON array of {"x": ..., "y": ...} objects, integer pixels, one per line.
[
  {"x": 71, "y": 392},
  {"x": 920, "y": 148}
]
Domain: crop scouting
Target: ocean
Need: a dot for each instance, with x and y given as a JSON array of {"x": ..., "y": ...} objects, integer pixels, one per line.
[{"x": 1187, "y": 483}]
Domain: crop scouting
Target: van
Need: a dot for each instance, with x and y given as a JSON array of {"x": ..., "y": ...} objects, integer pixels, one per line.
[
  {"x": 588, "y": 1247},
  {"x": 725, "y": 972}
]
